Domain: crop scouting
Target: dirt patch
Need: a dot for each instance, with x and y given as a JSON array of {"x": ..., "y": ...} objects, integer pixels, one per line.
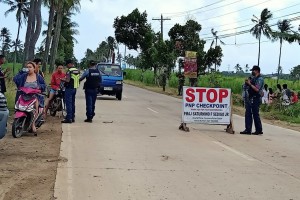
[{"x": 28, "y": 165}]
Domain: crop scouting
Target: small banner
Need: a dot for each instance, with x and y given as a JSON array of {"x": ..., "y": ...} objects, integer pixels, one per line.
[
  {"x": 206, "y": 105},
  {"x": 190, "y": 64}
]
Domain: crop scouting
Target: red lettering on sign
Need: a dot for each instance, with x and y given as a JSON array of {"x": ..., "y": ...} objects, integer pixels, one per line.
[
  {"x": 201, "y": 91},
  {"x": 223, "y": 94},
  {"x": 215, "y": 96},
  {"x": 212, "y": 95},
  {"x": 190, "y": 95}
]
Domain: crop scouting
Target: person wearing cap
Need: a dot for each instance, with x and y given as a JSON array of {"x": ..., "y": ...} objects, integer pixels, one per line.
[
  {"x": 91, "y": 85},
  {"x": 71, "y": 85},
  {"x": 253, "y": 101}
]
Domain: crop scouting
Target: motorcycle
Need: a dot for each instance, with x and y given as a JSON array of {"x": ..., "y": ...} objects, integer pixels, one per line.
[
  {"x": 57, "y": 104},
  {"x": 25, "y": 112}
]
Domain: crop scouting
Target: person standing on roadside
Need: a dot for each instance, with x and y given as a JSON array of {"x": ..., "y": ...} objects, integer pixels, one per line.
[
  {"x": 180, "y": 84},
  {"x": 38, "y": 63},
  {"x": 253, "y": 102},
  {"x": 93, "y": 79},
  {"x": 3, "y": 75},
  {"x": 71, "y": 85},
  {"x": 265, "y": 98}
]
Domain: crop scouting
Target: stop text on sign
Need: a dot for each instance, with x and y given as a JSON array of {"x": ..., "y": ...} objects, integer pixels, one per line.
[{"x": 211, "y": 95}]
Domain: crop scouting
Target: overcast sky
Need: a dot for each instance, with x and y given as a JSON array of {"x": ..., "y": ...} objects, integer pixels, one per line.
[{"x": 96, "y": 20}]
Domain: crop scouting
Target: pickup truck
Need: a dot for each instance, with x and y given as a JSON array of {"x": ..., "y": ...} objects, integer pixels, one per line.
[{"x": 112, "y": 80}]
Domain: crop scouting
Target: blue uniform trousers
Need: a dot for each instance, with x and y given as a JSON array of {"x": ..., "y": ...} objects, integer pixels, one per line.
[
  {"x": 90, "y": 97},
  {"x": 70, "y": 94},
  {"x": 252, "y": 113}
]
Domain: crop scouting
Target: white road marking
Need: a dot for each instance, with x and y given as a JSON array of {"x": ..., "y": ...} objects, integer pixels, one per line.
[
  {"x": 69, "y": 165},
  {"x": 152, "y": 110},
  {"x": 125, "y": 96},
  {"x": 234, "y": 151}
]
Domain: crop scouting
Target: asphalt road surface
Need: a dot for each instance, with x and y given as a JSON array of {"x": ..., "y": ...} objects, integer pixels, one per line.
[{"x": 134, "y": 151}]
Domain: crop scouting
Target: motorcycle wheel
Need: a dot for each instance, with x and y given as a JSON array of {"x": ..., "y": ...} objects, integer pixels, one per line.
[
  {"x": 53, "y": 113},
  {"x": 52, "y": 108},
  {"x": 18, "y": 127}
]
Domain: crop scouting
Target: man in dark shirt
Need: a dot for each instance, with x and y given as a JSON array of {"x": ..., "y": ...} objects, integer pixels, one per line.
[
  {"x": 253, "y": 101},
  {"x": 93, "y": 78},
  {"x": 2, "y": 75}
]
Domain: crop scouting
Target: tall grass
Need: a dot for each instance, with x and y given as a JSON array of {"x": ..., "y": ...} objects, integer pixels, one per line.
[
  {"x": 275, "y": 111},
  {"x": 211, "y": 80}
]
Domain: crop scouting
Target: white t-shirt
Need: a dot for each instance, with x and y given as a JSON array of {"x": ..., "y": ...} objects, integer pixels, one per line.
[{"x": 265, "y": 98}]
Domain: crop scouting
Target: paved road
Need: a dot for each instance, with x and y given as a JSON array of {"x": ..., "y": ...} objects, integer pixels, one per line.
[{"x": 134, "y": 150}]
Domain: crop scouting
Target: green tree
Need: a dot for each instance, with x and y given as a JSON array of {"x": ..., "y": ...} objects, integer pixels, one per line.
[
  {"x": 132, "y": 29},
  {"x": 213, "y": 57},
  {"x": 40, "y": 51},
  {"x": 261, "y": 27},
  {"x": 247, "y": 68},
  {"x": 20, "y": 50},
  {"x": 21, "y": 7},
  {"x": 186, "y": 38},
  {"x": 215, "y": 42},
  {"x": 295, "y": 72},
  {"x": 61, "y": 7},
  {"x": 284, "y": 33},
  {"x": 238, "y": 68},
  {"x": 5, "y": 37}
]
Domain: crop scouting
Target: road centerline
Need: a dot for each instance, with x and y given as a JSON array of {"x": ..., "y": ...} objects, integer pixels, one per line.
[
  {"x": 153, "y": 110},
  {"x": 234, "y": 151}
]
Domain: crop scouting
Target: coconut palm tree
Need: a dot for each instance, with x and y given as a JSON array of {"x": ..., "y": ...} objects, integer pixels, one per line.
[
  {"x": 5, "y": 37},
  {"x": 22, "y": 9},
  {"x": 215, "y": 42},
  {"x": 261, "y": 27},
  {"x": 62, "y": 6},
  {"x": 284, "y": 33}
]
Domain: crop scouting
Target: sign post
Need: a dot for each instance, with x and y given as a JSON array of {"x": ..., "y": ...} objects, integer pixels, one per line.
[{"x": 207, "y": 106}]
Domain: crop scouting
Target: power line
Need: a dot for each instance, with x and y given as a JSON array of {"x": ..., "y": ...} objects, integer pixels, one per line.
[
  {"x": 195, "y": 9},
  {"x": 246, "y": 31},
  {"x": 234, "y": 11},
  {"x": 180, "y": 15},
  {"x": 161, "y": 19},
  {"x": 250, "y": 24},
  {"x": 294, "y": 5}
]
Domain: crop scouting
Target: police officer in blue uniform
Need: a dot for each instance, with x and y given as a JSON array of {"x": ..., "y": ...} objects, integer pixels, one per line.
[
  {"x": 71, "y": 85},
  {"x": 253, "y": 101},
  {"x": 93, "y": 78}
]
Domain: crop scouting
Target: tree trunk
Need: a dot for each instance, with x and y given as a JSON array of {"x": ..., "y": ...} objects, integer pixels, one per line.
[
  {"x": 49, "y": 36},
  {"x": 56, "y": 37},
  {"x": 258, "y": 50},
  {"x": 30, "y": 23},
  {"x": 278, "y": 70},
  {"x": 16, "y": 46},
  {"x": 34, "y": 27},
  {"x": 37, "y": 28}
]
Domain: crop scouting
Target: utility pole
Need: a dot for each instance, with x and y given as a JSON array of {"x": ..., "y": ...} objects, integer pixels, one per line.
[{"x": 161, "y": 19}]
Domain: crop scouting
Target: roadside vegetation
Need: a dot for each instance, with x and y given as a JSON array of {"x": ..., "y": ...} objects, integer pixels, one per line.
[{"x": 275, "y": 111}]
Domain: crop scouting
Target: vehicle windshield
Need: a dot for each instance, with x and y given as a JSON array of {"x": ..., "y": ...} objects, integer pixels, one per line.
[{"x": 110, "y": 70}]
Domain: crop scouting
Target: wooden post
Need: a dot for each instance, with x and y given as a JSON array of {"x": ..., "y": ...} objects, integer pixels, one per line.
[{"x": 230, "y": 128}]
